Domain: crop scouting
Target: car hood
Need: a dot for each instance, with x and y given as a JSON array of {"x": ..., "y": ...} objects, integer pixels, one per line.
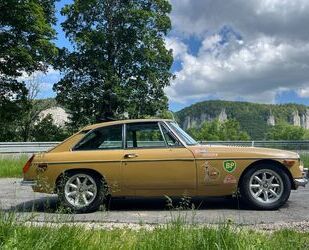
[{"x": 239, "y": 152}]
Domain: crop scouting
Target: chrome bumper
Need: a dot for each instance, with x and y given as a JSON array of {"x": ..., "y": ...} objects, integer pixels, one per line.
[
  {"x": 28, "y": 183},
  {"x": 302, "y": 182}
]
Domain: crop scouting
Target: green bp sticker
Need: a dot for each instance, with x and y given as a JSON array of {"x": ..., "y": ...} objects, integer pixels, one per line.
[{"x": 229, "y": 166}]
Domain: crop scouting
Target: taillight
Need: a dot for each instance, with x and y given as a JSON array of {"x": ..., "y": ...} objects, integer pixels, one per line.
[{"x": 27, "y": 165}]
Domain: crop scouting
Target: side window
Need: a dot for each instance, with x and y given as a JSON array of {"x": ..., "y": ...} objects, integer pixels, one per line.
[
  {"x": 102, "y": 138},
  {"x": 144, "y": 135},
  {"x": 170, "y": 139}
]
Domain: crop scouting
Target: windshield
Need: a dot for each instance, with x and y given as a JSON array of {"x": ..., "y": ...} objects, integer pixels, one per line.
[{"x": 182, "y": 134}]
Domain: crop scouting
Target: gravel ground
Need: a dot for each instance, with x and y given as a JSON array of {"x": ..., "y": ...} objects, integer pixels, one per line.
[
  {"x": 297, "y": 226},
  {"x": 138, "y": 213}
]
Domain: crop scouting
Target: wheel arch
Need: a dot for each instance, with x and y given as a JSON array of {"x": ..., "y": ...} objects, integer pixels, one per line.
[
  {"x": 272, "y": 162},
  {"x": 78, "y": 170}
]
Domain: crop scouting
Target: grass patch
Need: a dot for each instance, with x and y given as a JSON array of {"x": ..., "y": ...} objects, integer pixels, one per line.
[
  {"x": 170, "y": 236},
  {"x": 11, "y": 166},
  {"x": 305, "y": 159}
]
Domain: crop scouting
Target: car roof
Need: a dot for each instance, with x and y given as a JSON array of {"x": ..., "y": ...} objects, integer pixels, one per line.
[{"x": 109, "y": 123}]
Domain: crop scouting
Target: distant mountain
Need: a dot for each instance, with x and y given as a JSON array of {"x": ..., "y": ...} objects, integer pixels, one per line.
[{"x": 254, "y": 118}]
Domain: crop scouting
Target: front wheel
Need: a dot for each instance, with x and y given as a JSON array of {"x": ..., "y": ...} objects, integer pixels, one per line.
[
  {"x": 265, "y": 187},
  {"x": 81, "y": 192}
]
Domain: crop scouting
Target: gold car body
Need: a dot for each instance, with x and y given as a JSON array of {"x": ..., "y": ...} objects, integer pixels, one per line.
[{"x": 199, "y": 170}]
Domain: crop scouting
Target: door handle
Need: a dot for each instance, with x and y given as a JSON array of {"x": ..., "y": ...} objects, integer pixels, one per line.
[{"x": 130, "y": 155}]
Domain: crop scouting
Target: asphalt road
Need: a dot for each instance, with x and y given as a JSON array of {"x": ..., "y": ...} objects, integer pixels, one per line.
[{"x": 43, "y": 208}]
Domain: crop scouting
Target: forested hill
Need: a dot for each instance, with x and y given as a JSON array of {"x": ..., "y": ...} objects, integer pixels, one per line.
[{"x": 254, "y": 118}]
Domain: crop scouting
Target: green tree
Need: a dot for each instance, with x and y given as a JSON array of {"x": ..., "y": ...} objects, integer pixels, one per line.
[
  {"x": 306, "y": 135},
  {"x": 164, "y": 114},
  {"x": 25, "y": 46},
  {"x": 26, "y": 34},
  {"x": 219, "y": 131},
  {"x": 12, "y": 103},
  {"x": 283, "y": 131},
  {"x": 120, "y": 63},
  {"x": 46, "y": 130}
]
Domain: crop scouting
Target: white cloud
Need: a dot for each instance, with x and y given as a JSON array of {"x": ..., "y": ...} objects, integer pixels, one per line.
[
  {"x": 285, "y": 18},
  {"x": 263, "y": 49},
  {"x": 303, "y": 92},
  {"x": 211, "y": 42},
  {"x": 178, "y": 47}
]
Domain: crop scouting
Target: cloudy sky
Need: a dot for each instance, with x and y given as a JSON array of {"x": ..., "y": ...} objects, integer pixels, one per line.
[{"x": 243, "y": 50}]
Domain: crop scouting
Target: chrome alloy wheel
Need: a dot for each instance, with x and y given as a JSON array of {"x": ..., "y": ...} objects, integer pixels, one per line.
[
  {"x": 80, "y": 190},
  {"x": 266, "y": 186}
]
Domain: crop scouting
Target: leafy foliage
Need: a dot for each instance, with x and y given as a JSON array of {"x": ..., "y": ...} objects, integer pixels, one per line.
[
  {"x": 25, "y": 46},
  {"x": 26, "y": 34},
  {"x": 46, "y": 130},
  {"x": 306, "y": 135},
  {"x": 217, "y": 131},
  {"x": 120, "y": 63},
  {"x": 285, "y": 131},
  {"x": 27, "y": 129},
  {"x": 12, "y": 104}
]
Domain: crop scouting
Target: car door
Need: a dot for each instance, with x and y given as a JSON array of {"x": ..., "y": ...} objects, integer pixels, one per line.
[{"x": 155, "y": 162}]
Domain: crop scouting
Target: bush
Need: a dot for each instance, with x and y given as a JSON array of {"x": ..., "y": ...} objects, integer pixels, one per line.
[
  {"x": 283, "y": 131},
  {"x": 219, "y": 131},
  {"x": 46, "y": 130}
]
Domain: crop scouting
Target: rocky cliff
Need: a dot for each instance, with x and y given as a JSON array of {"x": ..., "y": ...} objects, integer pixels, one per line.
[{"x": 253, "y": 118}]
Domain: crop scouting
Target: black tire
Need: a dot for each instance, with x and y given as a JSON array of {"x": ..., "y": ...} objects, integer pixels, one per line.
[
  {"x": 261, "y": 202},
  {"x": 96, "y": 202}
]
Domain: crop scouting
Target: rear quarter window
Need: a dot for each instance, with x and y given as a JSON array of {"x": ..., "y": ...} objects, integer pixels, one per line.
[{"x": 101, "y": 139}]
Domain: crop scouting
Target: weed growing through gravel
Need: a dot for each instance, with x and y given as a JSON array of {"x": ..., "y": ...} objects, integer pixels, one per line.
[{"x": 174, "y": 235}]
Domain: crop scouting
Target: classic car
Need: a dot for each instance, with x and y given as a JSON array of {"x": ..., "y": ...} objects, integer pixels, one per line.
[{"x": 155, "y": 157}]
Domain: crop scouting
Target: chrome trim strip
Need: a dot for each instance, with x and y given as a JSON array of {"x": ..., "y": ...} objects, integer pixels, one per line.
[
  {"x": 242, "y": 158},
  {"x": 74, "y": 146},
  {"x": 124, "y": 160},
  {"x": 124, "y": 136},
  {"x": 81, "y": 162},
  {"x": 175, "y": 134},
  {"x": 150, "y": 160},
  {"x": 166, "y": 145},
  {"x": 163, "y": 125},
  {"x": 28, "y": 183}
]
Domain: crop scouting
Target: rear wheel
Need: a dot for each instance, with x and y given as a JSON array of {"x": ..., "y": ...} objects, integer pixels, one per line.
[
  {"x": 265, "y": 187},
  {"x": 81, "y": 192}
]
